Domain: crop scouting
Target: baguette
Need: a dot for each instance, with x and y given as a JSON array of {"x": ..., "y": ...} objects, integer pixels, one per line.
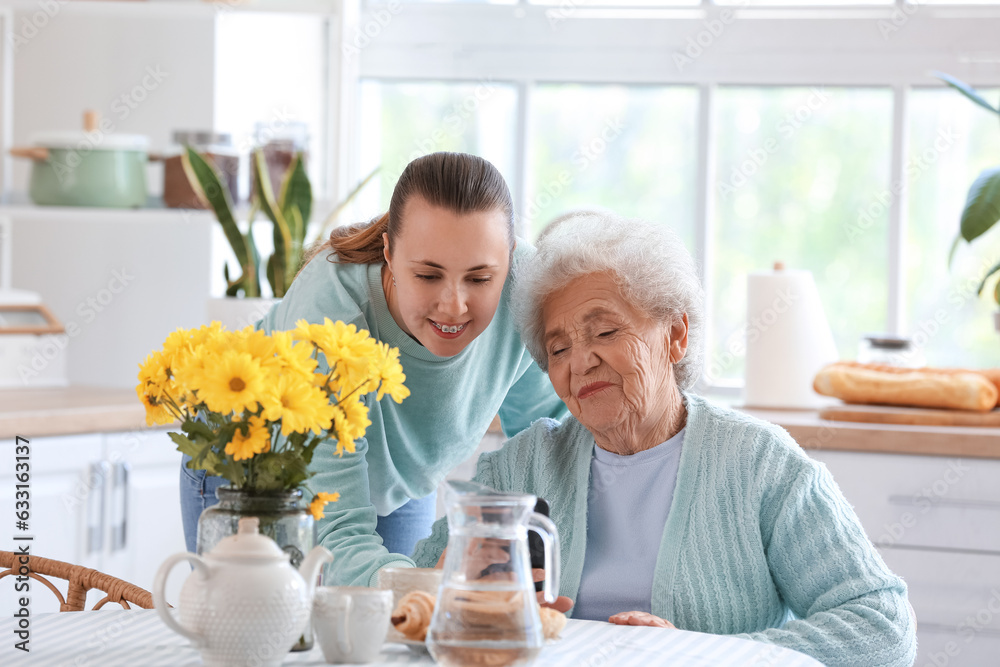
[
  {"x": 991, "y": 374},
  {"x": 854, "y": 383}
]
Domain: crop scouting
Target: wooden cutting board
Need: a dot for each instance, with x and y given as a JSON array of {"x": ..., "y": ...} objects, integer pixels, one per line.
[{"x": 887, "y": 414}]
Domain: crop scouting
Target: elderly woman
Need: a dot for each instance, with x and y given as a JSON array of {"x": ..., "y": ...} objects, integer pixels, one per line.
[{"x": 673, "y": 511}]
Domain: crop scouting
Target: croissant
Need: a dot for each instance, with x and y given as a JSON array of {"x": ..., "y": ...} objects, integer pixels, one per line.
[
  {"x": 553, "y": 622},
  {"x": 412, "y": 615}
]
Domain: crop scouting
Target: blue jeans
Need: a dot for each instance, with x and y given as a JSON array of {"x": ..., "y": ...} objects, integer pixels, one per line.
[{"x": 400, "y": 531}]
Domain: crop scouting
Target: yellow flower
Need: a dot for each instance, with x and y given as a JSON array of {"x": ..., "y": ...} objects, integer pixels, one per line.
[
  {"x": 156, "y": 412},
  {"x": 299, "y": 405},
  {"x": 349, "y": 352},
  {"x": 233, "y": 383},
  {"x": 295, "y": 357},
  {"x": 154, "y": 373},
  {"x": 319, "y": 335},
  {"x": 350, "y": 421},
  {"x": 211, "y": 337},
  {"x": 257, "y": 440},
  {"x": 257, "y": 344},
  {"x": 319, "y": 501},
  {"x": 176, "y": 341},
  {"x": 390, "y": 372}
]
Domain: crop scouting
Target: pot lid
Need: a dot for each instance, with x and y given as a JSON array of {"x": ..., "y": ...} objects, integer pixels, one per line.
[
  {"x": 248, "y": 543},
  {"x": 88, "y": 141}
]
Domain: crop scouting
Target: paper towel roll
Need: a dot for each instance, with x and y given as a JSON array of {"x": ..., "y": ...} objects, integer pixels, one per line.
[{"x": 788, "y": 339}]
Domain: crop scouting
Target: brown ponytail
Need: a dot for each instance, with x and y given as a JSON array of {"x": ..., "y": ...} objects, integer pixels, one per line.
[{"x": 459, "y": 182}]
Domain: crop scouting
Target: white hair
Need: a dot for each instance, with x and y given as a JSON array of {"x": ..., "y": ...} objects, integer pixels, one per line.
[{"x": 652, "y": 268}]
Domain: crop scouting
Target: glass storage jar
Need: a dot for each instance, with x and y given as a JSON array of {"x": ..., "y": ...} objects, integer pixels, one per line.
[
  {"x": 280, "y": 143},
  {"x": 889, "y": 349},
  {"x": 217, "y": 148}
]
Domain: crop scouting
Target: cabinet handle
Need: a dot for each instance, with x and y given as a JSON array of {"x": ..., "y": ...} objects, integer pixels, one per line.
[
  {"x": 99, "y": 472},
  {"x": 910, "y": 501},
  {"x": 119, "y": 500}
]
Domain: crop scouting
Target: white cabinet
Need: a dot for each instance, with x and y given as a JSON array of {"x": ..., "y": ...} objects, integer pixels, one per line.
[
  {"x": 936, "y": 522},
  {"x": 106, "y": 501},
  {"x": 148, "y": 528}
]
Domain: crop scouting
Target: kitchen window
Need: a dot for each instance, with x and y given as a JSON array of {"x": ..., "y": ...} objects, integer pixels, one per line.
[{"x": 759, "y": 131}]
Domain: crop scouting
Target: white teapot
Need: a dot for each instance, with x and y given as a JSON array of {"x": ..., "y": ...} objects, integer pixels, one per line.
[{"x": 244, "y": 604}]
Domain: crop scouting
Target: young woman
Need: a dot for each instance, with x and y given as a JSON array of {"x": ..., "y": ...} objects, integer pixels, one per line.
[{"x": 433, "y": 277}]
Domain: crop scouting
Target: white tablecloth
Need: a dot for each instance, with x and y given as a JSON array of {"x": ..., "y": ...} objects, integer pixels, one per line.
[{"x": 139, "y": 638}]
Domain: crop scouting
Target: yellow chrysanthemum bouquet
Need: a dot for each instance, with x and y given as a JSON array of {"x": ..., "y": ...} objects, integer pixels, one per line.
[{"x": 253, "y": 407}]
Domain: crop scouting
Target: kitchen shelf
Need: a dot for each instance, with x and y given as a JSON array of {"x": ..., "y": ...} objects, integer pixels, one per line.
[
  {"x": 19, "y": 205},
  {"x": 122, "y": 215}
]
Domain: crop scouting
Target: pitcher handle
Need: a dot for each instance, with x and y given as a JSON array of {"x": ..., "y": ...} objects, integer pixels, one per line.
[
  {"x": 546, "y": 530},
  {"x": 344, "y": 627},
  {"x": 160, "y": 600}
]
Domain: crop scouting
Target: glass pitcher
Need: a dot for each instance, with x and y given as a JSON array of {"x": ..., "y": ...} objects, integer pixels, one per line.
[{"x": 486, "y": 612}]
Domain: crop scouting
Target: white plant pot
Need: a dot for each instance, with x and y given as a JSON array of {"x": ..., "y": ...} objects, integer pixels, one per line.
[{"x": 235, "y": 313}]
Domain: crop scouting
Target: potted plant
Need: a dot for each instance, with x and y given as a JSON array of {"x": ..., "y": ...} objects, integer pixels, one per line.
[
  {"x": 253, "y": 407},
  {"x": 289, "y": 214},
  {"x": 982, "y": 205}
]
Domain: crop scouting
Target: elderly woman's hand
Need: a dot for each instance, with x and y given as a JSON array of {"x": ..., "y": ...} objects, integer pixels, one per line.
[{"x": 639, "y": 618}]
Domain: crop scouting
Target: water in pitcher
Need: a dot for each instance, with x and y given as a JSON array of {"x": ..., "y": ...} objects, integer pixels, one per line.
[
  {"x": 491, "y": 624},
  {"x": 487, "y": 613}
]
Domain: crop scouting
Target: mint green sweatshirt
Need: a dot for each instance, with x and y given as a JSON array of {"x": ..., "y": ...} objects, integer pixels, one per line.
[
  {"x": 410, "y": 446},
  {"x": 759, "y": 541}
]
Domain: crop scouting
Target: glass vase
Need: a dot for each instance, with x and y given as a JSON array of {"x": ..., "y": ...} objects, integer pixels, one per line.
[{"x": 283, "y": 517}]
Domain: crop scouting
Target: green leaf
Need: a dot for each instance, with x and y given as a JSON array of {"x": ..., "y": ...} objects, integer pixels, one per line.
[
  {"x": 269, "y": 475},
  {"x": 207, "y": 183},
  {"x": 271, "y": 279},
  {"x": 954, "y": 248},
  {"x": 213, "y": 464},
  {"x": 185, "y": 446},
  {"x": 251, "y": 285},
  {"x": 231, "y": 470},
  {"x": 265, "y": 201},
  {"x": 966, "y": 90},
  {"x": 296, "y": 192},
  {"x": 982, "y": 206},
  {"x": 982, "y": 284},
  {"x": 294, "y": 472},
  {"x": 198, "y": 429}
]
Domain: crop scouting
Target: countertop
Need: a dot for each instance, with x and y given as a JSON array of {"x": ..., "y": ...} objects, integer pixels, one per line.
[
  {"x": 814, "y": 433},
  {"x": 70, "y": 410}
]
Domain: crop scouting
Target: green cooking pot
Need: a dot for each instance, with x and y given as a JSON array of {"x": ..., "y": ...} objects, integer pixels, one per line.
[{"x": 87, "y": 169}]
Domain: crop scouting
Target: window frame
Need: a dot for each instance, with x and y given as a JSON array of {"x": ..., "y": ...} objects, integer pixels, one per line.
[{"x": 889, "y": 46}]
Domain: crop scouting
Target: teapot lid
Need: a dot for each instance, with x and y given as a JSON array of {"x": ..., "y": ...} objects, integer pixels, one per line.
[{"x": 248, "y": 543}]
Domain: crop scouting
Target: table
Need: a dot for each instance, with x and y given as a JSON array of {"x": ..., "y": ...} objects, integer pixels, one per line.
[{"x": 138, "y": 637}]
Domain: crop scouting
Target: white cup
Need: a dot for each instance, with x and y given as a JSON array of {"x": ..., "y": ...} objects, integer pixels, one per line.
[{"x": 350, "y": 622}]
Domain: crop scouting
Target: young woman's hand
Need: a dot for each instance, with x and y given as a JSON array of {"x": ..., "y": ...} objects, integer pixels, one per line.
[
  {"x": 562, "y": 602},
  {"x": 639, "y": 618}
]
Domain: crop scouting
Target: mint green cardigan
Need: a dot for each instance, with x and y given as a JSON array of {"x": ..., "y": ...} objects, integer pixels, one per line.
[{"x": 759, "y": 541}]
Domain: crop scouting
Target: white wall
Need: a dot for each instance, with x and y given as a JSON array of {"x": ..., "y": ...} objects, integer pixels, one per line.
[
  {"x": 161, "y": 64},
  {"x": 179, "y": 66},
  {"x": 118, "y": 280}
]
